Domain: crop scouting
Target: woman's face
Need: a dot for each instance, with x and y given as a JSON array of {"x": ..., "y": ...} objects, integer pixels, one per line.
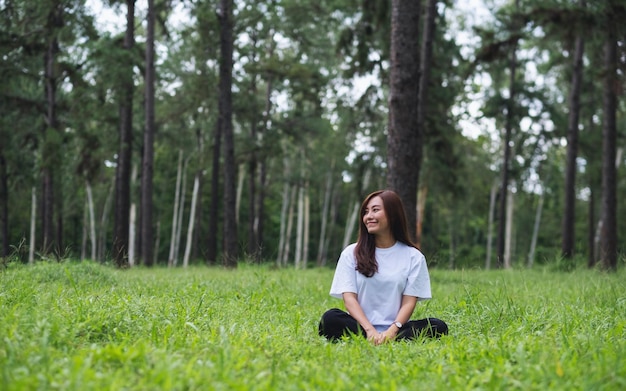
[{"x": 375, "y": 218}]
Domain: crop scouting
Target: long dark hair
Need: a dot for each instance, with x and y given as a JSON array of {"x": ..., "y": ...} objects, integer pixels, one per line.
[{"x": 365, "y": 251}]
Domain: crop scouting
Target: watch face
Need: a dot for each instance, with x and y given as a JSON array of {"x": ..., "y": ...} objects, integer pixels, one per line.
[{"x": 399, "y": 325}]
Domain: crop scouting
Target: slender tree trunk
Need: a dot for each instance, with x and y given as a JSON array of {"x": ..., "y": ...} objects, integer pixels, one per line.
[
  {"x": 421, "y": 207},
  {"x": 567, "y": 235},
  {"x": 351, "y": 224},
  {"x": 33, "y": 224},
  {"x": 290, "y": 213},
  {"x": 404, "y": 136},
  {"x": 608, "y": 244},
  {"x": 283, "y": 219},
  {"x": 192, "y": 222},
  {"x": 252, "y": 218},
  {"x": 422, "y": 100},
  {"x": 492, "y": 208},
  {"x": 225, "y": 114},
  {"x": 92, "y": 221},
  {"x": 260, "y": 217},
  {"x": 305, "y": 233},
  {"x": 106, "y": 209},
  {"x": 533, "y": 241},
  {"x": 214, "y": 211},
  {"x": 252, "y": 179},
  {"x": 157, "y": 241},
  {"x": 299, "y": 229},
  {"x": 504, "y": 189},
  {"x": 241, "y": 176},
  {"x": 147, "y": 230},
  {"x": 508, "y": 243},
  {"x": 132, "y": 234},
  {"x": 83, "y": 242},
  {"x": 171, "y": 259},
  {"x": 51, "y": 134},
  {"x": 181, "y": 212},
  {"x": 591, "y": 221},
  {"x": 122, "y": 173},
  {"x": 132, "y": 222},
  {"x": 328, "y": 190}
]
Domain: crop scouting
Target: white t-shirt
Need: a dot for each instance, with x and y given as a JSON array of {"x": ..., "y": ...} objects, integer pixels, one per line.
[{"x": 402, "y": 271}]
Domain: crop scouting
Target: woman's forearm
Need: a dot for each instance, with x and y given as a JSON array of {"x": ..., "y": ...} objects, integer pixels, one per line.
[{"x": 354, "y": 309}]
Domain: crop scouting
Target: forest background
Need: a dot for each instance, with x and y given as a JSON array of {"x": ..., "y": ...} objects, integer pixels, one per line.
[{"x": 262, "y": 126}]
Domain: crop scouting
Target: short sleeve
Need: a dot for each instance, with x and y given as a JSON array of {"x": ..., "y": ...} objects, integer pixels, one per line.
[
  {"x": 345, "y": 274},
  {"x": 418, "y": 281}
]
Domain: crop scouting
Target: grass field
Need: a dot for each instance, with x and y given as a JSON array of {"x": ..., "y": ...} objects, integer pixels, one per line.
[{"x": 84, "y": 326}]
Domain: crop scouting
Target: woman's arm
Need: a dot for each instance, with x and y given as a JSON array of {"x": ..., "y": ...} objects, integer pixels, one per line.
[
  {"x": 355, "y": 310},
  {"x": 404, "y": 315}
]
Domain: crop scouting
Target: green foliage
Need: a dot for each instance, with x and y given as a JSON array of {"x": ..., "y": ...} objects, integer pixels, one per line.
[{"x": 76, "y": 326}]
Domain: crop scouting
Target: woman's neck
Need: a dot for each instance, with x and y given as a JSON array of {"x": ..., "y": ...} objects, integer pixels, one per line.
[{"x": 384, "y": 241}]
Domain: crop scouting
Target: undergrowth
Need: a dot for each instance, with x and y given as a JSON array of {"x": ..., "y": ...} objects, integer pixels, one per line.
[{"x": 78, "y": 326}]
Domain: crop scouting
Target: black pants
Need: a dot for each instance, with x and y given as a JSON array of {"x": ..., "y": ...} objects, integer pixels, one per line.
[{"x": 336, "y": 323}]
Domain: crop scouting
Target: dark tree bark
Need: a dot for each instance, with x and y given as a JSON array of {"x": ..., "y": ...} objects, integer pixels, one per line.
[
  {"x": 214, "y": 209},
  {"x": 508, "y": 131},
  {"x": 147, "y": 231},
  {"x": 51, "y": 136},
  {"x": 253, "y": 245},
  {"x": 122, "y": 172},
  {"x": 225, "y": 114},
  {"x": 404, "y": 136},
  {"x": 426, "y": 59},
  {"x": 567, "y": 235},
  {"x": 608, "y": 241},
  {"x": 591, "y": 232}
]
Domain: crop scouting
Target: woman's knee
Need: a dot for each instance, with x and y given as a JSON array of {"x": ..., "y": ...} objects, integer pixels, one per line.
[{"x": 438, "y": 326}]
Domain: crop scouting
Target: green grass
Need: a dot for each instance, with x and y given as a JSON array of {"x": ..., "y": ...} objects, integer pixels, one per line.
[{"x": 83, "y": 326}]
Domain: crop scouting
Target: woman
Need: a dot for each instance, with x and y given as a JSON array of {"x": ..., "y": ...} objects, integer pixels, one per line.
[{"x": 380, "y": 279}]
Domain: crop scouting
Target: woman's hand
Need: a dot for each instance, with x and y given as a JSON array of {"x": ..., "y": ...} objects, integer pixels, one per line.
[{"x": 386, "y": 336}]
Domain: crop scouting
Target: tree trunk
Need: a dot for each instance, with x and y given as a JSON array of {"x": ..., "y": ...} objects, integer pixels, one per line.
[
  {"x": 179, "y": 168},
  {"x": 299, "y": 229},
  {"x": 225, "y": 113},
  {"x": 192, "y": 222},
  {"x": 132, "y": 222},
  {"x": 132, "y": 232},
  {"x": 33, "y": 225},
  {"x": 533, "y": 241},
  {"x": 508, "y": 243},
  {"x": 106, "y": 209},
  {"x": 181, "y": 212},
  {"x": 289, "y": 228},
  {"x": 241, "y": 176},
  {"x": 608, "y": 244},
  {"x": 426, "y": 59},
  {"x": 504, "y": 184},
  {"x": 51, "y": 134},
  {"x": 567, "y": 235},
  {"x": 147, "y": 230},
  {"x": 492, "y": 209},
  {"x": 404, "y": 136},
  {"x": 215, "y": 181},
  {"x": 92, "y": 220},
  {"x": 421, "y": 207},
  {"x": 351, "y": 223},
  {"x": 591, "y": 221},
  {"x": 122, "y": 172},
  {"x": 328, "y": 190},
  {"x": 283, "y": 219}
]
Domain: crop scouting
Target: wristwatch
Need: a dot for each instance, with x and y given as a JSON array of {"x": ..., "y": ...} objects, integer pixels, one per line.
[{"x": 398, "y": 324}]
